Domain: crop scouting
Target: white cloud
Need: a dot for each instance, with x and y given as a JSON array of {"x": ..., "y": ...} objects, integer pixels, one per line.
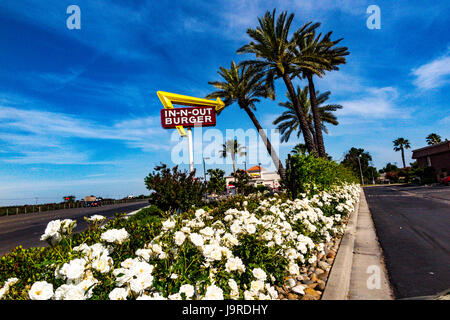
[
  {"x": 434, "y": 74},
  {"x": 36, "y": 136},
  {"x": 374, "y": 103},
  {"x": 445, "y": 120}
]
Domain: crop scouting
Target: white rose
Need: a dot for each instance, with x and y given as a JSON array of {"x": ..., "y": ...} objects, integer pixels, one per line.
[
  {"x": 234, "y": 264},
  {"x": 103, "y": 264},
  {"x": 257, "y": 285},
  {"x": 139, "y": 284},
  {"x": 118, "y": 294},
  {"x": 117, "y": 236},
  {"x": 179, "y": 238},
  {"x": 53, "y": 227},
  {"x": 196, "y": 239},
  {"x": 250, "y": 228},
  {"x": 141, "y": 268},
  {"x": 207, "y": 232},
  {"x": 168, "y": 224},
  {"x": 294, "y": 269},
  {"x": 74, "y": 270},
  {"x": 144, "y": 254},
  {"x": 235, "y": 227},
  {"x": 96, "y": 218},
  {"x": 213, "y": 292},
  {"x": 187, "y": 289},
  {"x": 41, "y": 290},
  {"x": 75, "y": 293},
  {"x": 259, "y": 274}
]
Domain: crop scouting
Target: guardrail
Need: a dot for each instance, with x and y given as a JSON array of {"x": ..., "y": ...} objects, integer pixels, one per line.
[{"x": 15, "y": 210}]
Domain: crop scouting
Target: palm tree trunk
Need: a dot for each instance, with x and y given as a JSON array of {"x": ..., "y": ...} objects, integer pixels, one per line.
[
  {"x": 270, "y": 150},
  {"x": 301, "y": 116},
  {"x": 233, "y": 156},
  {"x": 316, "y": 115},
  {"x": 311, "y": 128},
  {"x": 403, "y": 158}
]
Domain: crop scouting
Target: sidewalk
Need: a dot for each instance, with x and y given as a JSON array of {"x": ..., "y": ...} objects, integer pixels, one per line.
[
  {"x": 358, "y": 272},
  {"x": 368, "y": 278}
]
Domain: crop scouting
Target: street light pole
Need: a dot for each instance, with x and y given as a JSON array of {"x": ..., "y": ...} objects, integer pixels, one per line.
[{"x": 360, "y": 170}]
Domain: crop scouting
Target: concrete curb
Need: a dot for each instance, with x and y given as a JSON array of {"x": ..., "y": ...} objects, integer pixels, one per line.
[
  {"x": 136, "y": 211},
  {"x": 338, "y": 283}
]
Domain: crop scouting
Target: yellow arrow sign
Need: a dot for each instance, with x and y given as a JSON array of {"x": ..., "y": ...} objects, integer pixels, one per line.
[{"x": 169, "y": 99}]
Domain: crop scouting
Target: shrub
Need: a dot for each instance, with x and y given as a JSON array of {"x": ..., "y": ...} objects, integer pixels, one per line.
[
  {"x": 308, "y": 174},
  {"x": 174, "y": 190}
]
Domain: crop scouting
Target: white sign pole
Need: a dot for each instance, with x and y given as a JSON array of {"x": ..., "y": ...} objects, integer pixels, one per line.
[{"x": 191, "y": 152}]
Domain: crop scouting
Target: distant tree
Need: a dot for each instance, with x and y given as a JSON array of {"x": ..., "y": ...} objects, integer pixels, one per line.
[
  {"x": 351, "y": 161},
  {"x": 389, "y": 168},
  {"x": 242, "y": 178},
  {"x": 401, "y": 144},
  {"x": 69, "y": 199},
  {"x": 371, "y": 174},
  {"x": 299, "y": 148},
  {"x": 217, "y": 181},
  {"x": 433, "y": 138},
  {"x": 232, "y": 148}
]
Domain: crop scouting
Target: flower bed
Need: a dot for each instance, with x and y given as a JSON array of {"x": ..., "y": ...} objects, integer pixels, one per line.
[{"x": 245, "y": 248}]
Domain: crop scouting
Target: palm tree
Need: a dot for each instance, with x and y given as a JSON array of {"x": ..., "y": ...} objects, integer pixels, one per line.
[
  {"x": 244, "y": 85},
  {"x": 315, "y": 55},
  {"x": 401, "y": 144},
  {"x": 433, "y": 138},
  {"x": 232, "y": 148},
  {"x": 299, "y": 148},
  {"x": 288, "y": 121},
  {"x": 273, "y": 51}
]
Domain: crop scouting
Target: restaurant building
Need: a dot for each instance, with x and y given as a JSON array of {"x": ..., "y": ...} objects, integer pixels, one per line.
[
  {"x": 259, "y": 176},
  {"x": 436, "y": 156}
]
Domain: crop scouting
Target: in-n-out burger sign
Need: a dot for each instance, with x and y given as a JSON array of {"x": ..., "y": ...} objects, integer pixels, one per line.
[
  {"x": 200, "y": 112},
  {"x": 188, "y": 117},
  {"x": 195, "y": 111}
]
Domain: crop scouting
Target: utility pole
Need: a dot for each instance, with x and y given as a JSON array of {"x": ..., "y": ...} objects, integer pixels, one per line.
[
  {"x": 204, "y": 174},
  {"x": 204, "y": 167},
  {"x": 260, "y": 177},
  {"x": 371, "y": 170},
  {"x": 360, "y": 170}
]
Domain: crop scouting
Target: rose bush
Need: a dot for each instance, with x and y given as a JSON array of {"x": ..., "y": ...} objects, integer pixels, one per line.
[{"x": 241, "y": 249}]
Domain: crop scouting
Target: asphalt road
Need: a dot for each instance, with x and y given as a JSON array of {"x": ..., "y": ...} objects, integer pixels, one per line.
[
  {"x": 413, "y": 227},
  {"x": 26, "y": 229}
]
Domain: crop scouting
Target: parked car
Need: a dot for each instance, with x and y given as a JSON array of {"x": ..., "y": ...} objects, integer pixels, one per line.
[
  {"x": 92, "y": 201},
  {"x": 446, "y": 181}
]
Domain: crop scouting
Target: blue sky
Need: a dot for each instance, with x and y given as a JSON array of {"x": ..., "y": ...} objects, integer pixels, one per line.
[{"x": 79, "y": 112}]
